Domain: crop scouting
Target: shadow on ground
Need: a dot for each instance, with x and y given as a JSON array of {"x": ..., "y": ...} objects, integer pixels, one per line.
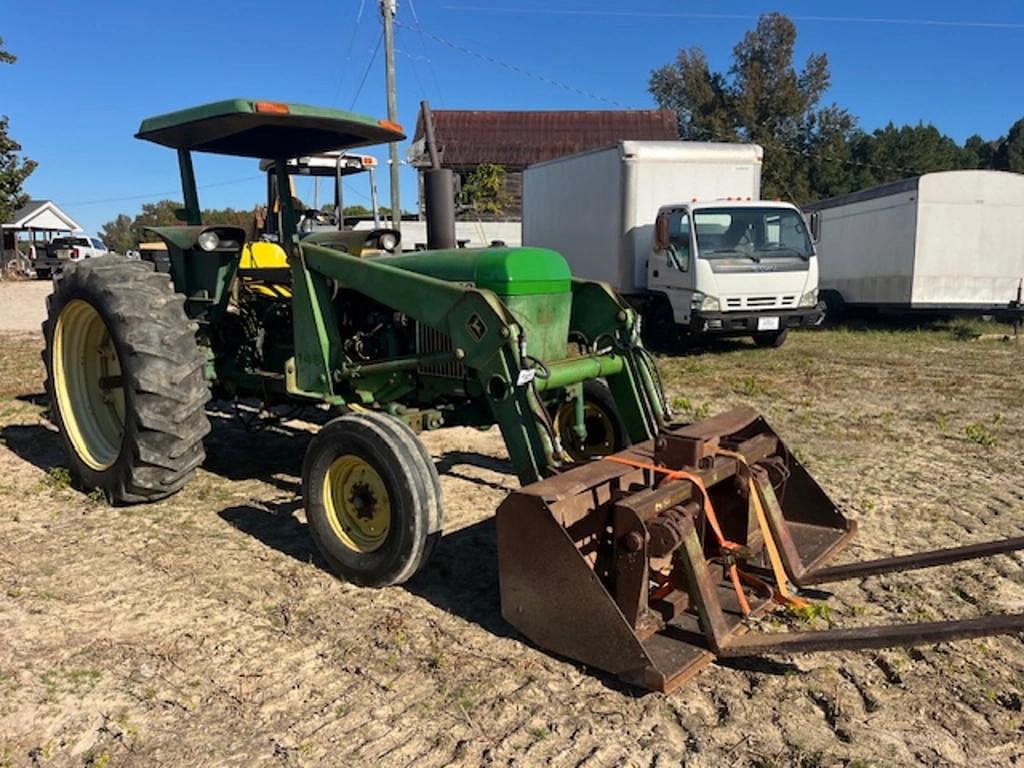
[{"x": 37, "y": 444}]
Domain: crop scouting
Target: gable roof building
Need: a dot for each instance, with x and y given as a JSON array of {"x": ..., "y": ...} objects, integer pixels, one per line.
[
  {"x": 40, "y": 215},
  {"x": 513, "y": 140}
]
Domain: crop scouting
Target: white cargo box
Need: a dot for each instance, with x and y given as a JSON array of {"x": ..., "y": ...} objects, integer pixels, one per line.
[
  {"x": 949, "y": 240},
  {"x": 605, "y": 234}
]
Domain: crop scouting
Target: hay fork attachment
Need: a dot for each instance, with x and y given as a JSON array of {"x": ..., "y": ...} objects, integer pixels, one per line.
[{"x": 649, "y": 563}]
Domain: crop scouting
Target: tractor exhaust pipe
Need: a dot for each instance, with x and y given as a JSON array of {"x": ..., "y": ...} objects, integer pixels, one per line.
[{"x": 438, "y": 191}]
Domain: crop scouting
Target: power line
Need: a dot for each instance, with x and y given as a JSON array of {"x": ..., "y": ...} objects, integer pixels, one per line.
[
  {"x": 348, "y": 54},
  {"x": 162, "y": 194},
  {"x": 706, "y": 131},
  {"x": 740, "y": 17},
  {"x": 516, "y": 68},
  {"x": 366, "y": 73},
  {"x": 423, "y": 45}
]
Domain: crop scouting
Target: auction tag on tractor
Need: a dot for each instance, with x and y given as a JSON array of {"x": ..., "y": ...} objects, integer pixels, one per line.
[
  {"x": 526, "y": 375},
  {"x": 767, "y": 323}
]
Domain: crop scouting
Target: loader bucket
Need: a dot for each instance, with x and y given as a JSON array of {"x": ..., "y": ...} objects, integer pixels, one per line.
[{"x": 651, "y": 563}]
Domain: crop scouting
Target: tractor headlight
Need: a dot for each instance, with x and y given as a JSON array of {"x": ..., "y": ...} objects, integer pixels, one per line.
[
  {"x": 809, "y": 299},
  {"x": 208, "y": 240},
  {"x": 388, "y": 241}
]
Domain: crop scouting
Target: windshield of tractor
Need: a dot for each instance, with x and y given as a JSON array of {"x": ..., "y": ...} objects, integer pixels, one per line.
[{"x": 753, "y": 235}]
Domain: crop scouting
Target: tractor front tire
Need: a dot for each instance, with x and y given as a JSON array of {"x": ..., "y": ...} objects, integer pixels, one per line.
[
  {"x": 606, "y": 430},
  {"x": 372, "y": 499},
  {"x": 125, "y": 380}
]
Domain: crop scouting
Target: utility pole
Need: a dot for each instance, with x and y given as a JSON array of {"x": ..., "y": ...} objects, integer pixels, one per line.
[{"x": 387, "y": 10}]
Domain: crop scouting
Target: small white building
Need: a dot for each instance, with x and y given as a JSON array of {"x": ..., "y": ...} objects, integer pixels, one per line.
[
  {"x": 35, "y": 223},
  {"x": 948, "y": 241}
]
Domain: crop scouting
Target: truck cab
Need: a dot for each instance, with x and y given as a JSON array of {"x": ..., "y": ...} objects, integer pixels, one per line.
[{"x": 734, "y": 268}]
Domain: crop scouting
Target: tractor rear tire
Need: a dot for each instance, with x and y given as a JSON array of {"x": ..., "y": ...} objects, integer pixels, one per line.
[
  {"x": 125, "y": 379},
  {"x": 372, "y": 499},
  {"x": 606, "y": 430}
]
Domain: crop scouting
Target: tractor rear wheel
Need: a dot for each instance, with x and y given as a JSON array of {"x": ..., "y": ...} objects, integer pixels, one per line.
[
  {"x": 372, "y": 499},
  {"x": 125, "y": 379},
  {"x": 606, "y": 431}
]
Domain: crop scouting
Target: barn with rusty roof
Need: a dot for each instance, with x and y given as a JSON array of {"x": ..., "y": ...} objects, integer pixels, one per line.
[{"x": 488, "y": 150}]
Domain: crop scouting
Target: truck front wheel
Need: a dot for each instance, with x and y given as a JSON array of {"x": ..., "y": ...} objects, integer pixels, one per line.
[{"x": 776, "y": 339}]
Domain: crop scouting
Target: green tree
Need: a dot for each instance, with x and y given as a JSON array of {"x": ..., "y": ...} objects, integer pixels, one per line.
[
  {"x": 891, "y": 153},
  {"x": 765, "y": 100},
  {"x": 118, "y": 235},
  {"x": 126, "y": 232},
  {"x": 978, "y": 153},
  {"x": 1010, "y": 155},
  {"x": 14, "y": 169},
  {"x": 484, "y": 188}
]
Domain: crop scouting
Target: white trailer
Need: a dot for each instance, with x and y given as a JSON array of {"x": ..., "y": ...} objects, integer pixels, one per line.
[
  {"x": 943, "y": 242},
  {"x": 726, "y": 263}
]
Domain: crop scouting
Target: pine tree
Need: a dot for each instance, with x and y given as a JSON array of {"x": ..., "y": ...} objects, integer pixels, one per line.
[{"x": 14, "y": 169}]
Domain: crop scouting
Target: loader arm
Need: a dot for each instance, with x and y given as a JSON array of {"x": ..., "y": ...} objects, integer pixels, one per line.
[{"x": 487, "y": 338}]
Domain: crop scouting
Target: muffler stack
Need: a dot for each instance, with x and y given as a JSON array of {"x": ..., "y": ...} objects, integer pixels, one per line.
[{"x": 649, "y": 563}]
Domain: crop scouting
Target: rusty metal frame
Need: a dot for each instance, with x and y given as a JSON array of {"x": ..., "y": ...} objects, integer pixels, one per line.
[{"x": 611, "y": 563}]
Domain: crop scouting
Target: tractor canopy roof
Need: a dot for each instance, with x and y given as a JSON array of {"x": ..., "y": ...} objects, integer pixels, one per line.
[{"x": 253, "y": 128}]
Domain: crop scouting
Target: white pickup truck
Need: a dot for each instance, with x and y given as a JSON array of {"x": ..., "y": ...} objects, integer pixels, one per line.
[{"x": 61, "y": 250}]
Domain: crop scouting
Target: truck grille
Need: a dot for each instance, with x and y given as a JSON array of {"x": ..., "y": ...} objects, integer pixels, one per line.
[
  {"x": 427, "y": 341},
  {"x": 733, "y": 303}
]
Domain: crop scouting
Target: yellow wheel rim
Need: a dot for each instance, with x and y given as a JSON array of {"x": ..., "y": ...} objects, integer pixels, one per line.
[
  {"x": 88, "y": 386},
  {"x": 600, "y": 440},
  {"x": 357, "y": 503}
]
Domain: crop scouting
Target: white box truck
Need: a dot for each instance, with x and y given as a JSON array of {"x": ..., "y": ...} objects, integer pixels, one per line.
[
  {"x": 677, "y": 227},
  {"x": 949, "y": 242}
]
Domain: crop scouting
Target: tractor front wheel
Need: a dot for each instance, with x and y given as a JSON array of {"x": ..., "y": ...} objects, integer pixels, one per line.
[
  {"x": 372, "y": 498},
  {"x": 125, "y": 379},
  {"x": 606, "y": 431}
]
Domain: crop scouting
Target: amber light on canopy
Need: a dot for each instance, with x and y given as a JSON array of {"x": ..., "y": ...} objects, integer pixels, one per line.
[{"x": 274, "y": 107}]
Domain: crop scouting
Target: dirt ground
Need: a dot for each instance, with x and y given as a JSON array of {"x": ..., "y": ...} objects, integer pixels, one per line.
[
  {"x": 22, "y": 304},
  {"x": 204, "y": 630}
]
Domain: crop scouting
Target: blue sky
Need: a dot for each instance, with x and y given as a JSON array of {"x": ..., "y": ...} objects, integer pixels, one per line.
[{"x": 88, "y": 72}]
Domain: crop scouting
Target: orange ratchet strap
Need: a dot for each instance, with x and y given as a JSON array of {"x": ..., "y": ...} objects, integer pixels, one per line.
[
  {"x": 782, "y": 592},
  {"x": 709, "y": 513}
]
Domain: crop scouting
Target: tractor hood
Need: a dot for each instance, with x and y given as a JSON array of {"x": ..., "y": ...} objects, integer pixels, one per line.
[
  {"x": 253, "y": 128},
  {"x": 506, "y": 271}
]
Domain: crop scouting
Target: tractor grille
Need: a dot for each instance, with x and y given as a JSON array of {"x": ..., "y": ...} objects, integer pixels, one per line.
[
  {"x": 427, "y": 341},
  {"x": 733, "y": 303}
]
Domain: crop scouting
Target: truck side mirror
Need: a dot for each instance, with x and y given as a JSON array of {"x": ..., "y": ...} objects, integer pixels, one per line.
[
  {"x": 815, "y": 226},
  {"x": 661, "y": 232}
]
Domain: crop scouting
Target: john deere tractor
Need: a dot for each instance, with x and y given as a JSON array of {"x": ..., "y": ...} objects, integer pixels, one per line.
[
  {"x": 397, "y": 343},
  {"x": 636, "y": 547}
]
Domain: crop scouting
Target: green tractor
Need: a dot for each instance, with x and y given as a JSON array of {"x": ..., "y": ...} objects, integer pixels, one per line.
[
  {"x": 635, "y": 547},
  {"x": 394, "y": 342}
]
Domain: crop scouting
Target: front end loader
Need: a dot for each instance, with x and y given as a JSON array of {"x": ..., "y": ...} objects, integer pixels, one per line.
[{"x": 635, "y": 546}]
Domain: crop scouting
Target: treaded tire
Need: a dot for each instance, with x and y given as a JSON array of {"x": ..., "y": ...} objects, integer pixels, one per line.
[
  {"x": 162, "y": 378},
  {"x": 403, "y": 468},
  {"x": 435, "y": 506},
  {"x": 614, "y": 436},
  {"x": 769, "y": 340}
]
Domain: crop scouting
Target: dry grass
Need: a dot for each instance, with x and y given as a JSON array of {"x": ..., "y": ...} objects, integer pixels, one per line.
[{"x": 204, "y": 630}]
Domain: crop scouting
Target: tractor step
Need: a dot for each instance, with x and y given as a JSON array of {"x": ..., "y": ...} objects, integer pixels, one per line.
[{"x": 650, "y": 563}]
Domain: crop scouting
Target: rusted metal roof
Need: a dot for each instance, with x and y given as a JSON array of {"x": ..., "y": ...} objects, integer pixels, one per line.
[{"x": 518, "y": 139}]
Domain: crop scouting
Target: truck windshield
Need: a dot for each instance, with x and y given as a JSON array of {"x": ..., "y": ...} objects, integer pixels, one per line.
[{"x": 753, "y": 233}]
